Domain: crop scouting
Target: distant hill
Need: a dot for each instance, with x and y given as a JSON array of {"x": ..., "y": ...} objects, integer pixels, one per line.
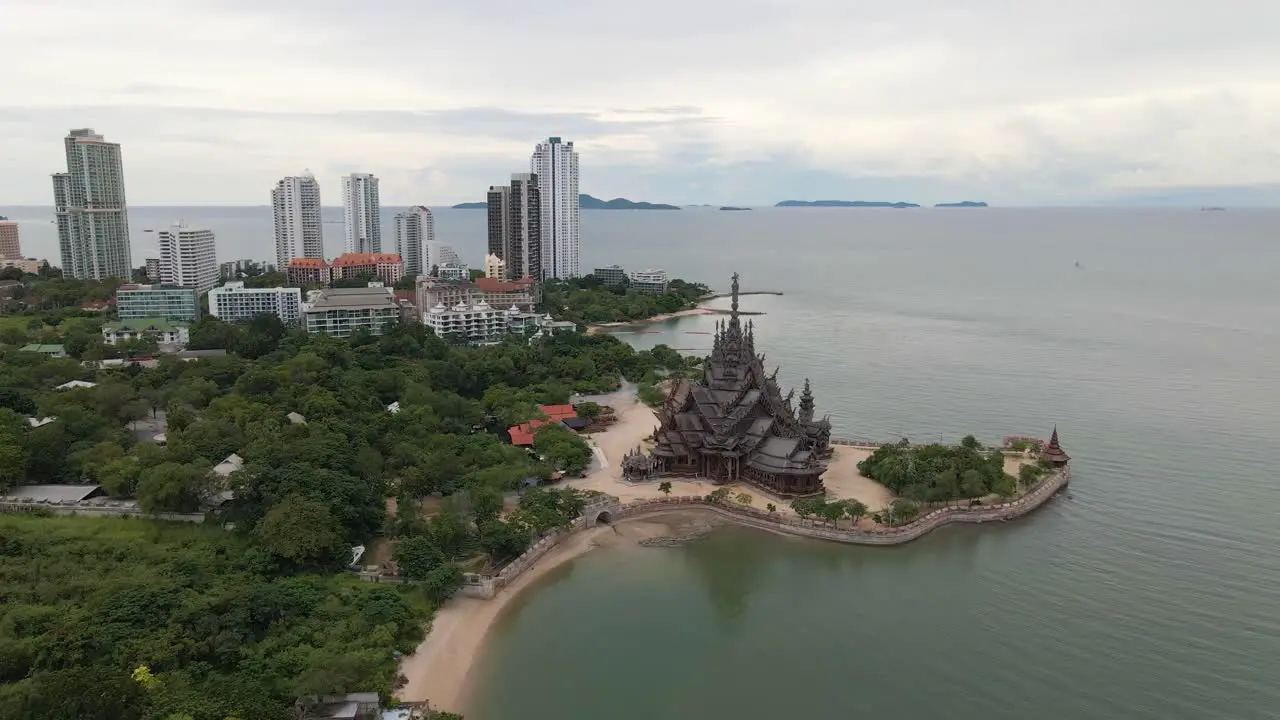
[
  {"x": 964, "y": 203},
  {"x": 845, "y": 203},
  {"x": 730, "y": 207},
  {"x": 587, "y": 202}
]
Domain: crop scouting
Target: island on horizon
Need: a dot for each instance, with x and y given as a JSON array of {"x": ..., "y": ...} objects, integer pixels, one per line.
[
  {"x": 587, "y": 202},
  {"x": 731, "y": 207},
  {"x": 846, "y": 203},
  {"x": 964, "y": 203}
]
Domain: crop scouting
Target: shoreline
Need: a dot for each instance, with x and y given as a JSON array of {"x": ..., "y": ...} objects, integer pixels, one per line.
[
  {"x": 442, "y": 668},
  {"x": 597, "y": 328},
  {"x": 701, "y": 309}
]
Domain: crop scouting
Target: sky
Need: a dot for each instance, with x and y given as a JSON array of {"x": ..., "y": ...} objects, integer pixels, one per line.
[{"x": 1017, "y": 102}]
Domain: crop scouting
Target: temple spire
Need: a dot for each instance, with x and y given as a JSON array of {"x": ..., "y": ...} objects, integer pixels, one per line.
[
  {"x": 735, "y": 327},
  {"x": 806, "y": 403},
  {"x": 1053, "y": 452}
]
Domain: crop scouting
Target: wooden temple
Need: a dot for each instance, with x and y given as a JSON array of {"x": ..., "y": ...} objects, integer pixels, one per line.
[
  {"x": 736, "y": 425},
  {"x": 1053, "y": 452}
]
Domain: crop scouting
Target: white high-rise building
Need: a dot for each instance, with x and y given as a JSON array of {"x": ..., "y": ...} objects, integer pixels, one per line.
[
  {"x": 415, "y": 228},
  {"x": 438, "y": 253},
  {"x": 360, "y": 212},
  {"x": 295, "y": 201},
  {"x": 556, "y": 165},
  {"x": 188, "y": 257},
  {"x": 93, "y": 224},
  {"x": 234, "y": 302}
]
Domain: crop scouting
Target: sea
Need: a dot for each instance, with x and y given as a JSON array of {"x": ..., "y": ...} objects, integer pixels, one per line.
[{"x": 1150, "y": 590}]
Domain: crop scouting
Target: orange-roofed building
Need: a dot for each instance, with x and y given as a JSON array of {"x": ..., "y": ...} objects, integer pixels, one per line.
[
  {"x": 303, "y": 272},
  {"x": 387, "y": 267},
  {"x": 523, "y": 293},
  {"x": 522, "y": 434},
  {"x": 558, "y": 412}
]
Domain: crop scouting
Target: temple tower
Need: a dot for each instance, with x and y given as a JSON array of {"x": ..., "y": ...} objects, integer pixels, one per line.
[
  {"x": 1053, "y": 452},
  {"x": 806, "y": 404}
]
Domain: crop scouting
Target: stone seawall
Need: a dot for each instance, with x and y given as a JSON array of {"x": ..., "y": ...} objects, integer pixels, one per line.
[
  {"x": 913, "y": 530},
  {"x": 487, "y": 587}
]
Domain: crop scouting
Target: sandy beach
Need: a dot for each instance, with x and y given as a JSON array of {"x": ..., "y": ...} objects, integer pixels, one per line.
[
  {"x": 598, "y": 328},
  {"x": 441, "y": 670}
]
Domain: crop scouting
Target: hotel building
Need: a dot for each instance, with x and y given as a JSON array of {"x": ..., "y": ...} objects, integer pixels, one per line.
[
  {"x": 555, "y": 163},
  {"x": 89, "y": 205},
  {"x": 158, "y": 301},
  {"x": 234, "y": 302},
  {"x": 341, "y": 312},
  {"x": 386, "y": 267},
  {"x": 361, "y": 213},
  {"x": 188, "y": 257},
  {"x": 295, "y": 204}
]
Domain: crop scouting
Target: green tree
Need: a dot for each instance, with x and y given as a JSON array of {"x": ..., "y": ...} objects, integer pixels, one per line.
[
  {"x": 417, "y": 556},
  {"x": 486, "y": 504},
  {"x": 588, "y": 410},
  {"x": 504, "y": 542},
  {"x": 442, "y": 582},
  {"x": 664, "y": 487},
  {"x": 173, "y": 487},
  {"x": 743, "y": 498},
  {"x": 562, "y": 448},
  {"x": 302, "y": 532}
]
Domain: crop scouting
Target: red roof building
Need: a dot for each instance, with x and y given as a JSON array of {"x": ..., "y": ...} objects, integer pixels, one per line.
[
  {"x": 307, "y": 272},
  {"x": 387, "y": 267},
  {"x": 522, "y": 434}
]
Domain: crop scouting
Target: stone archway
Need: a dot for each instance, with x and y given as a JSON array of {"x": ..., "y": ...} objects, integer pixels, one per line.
[{"x": 604, "y": 518}]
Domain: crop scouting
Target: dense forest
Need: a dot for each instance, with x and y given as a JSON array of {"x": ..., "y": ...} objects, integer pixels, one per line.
[
  {"x": 586, "y": 300},
  {"x": 141, "y": 619}
]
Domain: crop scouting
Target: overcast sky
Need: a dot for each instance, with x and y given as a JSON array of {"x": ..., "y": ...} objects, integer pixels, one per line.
[{"x": 685, "y": 101}]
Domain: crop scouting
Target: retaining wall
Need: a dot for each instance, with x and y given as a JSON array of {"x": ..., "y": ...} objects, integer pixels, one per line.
[
  {"x": 753, "y": 517},
  {"x": 91, "y": 510},
  {"x": 917, "y": 528}
]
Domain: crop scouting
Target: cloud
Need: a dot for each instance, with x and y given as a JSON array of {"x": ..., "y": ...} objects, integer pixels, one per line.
[{"x": 715, "y": 101}]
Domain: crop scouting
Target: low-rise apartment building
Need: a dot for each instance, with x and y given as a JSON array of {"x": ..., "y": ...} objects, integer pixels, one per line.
[
  {"x": 649, "y": 281},
  {"x": 169, "y": 335},
  {"x": 169, "y": 302},
  {"x": 612, "y": 275},
  {"x": 341, "y": 312},
  {"x": 524, "y": 294},
  {"x": 307, "y": 272},
  {"x": 234, "y": 302},
  {"x": 385, "y": 267}
]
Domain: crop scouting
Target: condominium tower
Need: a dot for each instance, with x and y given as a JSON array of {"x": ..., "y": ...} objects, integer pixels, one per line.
[
  {"x": 295, "y": 201},
  {"x": 93, "y": 224},
  {"x": 415, "y": 228},
  {"x": 556, "y": 165},
  {"x": 515, "y": 226},
  {"x": 360, "y": 212},
  {"x": 10, "y": 246},
  {"x": 188, "y": 257}
]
